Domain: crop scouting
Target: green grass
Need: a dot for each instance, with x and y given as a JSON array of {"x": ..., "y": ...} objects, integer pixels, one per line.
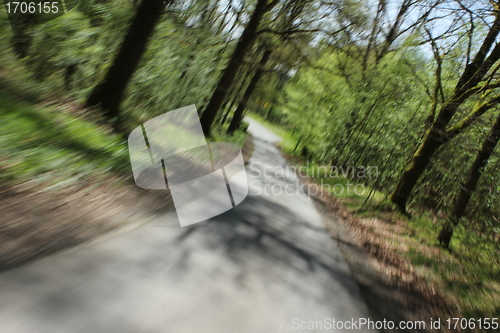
[
  {"x": 219, "y": 135},
  {"x": 50, "y": 147},
  {"x": 289, "y": 141},
  {"x": 341, "y": 186},
  {"x": 471, "y": 271},
  {"x": 44, "y": 145}
]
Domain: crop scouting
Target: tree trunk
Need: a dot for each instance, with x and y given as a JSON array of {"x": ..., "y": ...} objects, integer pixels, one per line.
[
  {"x": 470, "y": 184},
  {"x": 233, "y": 96},
  {"x": 435, "y": 137},
  {"x": 229, "y": 104},
  {"x": 437, "y": 134},
  {"x": 21, "y": 36},
  {"x": 238, "y": 114},
  {"x": 244, "y": 43},
  {"x": 297, "y": 144},
  {"x": 430, "y": 144},
  {"x": 108, "y": 93}
]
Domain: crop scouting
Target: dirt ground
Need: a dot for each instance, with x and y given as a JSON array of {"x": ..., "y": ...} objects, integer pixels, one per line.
[{"x": 38, "y": 223}]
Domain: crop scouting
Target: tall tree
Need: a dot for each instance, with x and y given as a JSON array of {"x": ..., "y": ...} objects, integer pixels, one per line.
[
  {"x": 475, "y": 79},
  {"x": 469, "y": 186},
  {"x": 244, "y": 43},
  {"x": 109, "y": 92},
  {"x": 238, "y": 114}
]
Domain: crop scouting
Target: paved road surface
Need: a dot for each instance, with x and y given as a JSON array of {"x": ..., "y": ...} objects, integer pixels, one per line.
[{"x": 252, "y": 269}]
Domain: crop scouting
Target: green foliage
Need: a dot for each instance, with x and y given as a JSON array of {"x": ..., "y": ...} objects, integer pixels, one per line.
[
  {"x": 289, "y": 140},
  {"x": 345, "y": 116},
  {"x": 348, "y": 98},
  {"x": 345, "y": 108},
  {"x": 471, "y": 272},
  {"x": 44, "y": 146}
]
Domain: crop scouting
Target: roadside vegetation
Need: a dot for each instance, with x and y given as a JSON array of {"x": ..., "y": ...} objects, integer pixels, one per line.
[
  {"x": 409, "y": 87},
  {"x": 65, "y": 174},
  {"x": 466, "y": 276}
]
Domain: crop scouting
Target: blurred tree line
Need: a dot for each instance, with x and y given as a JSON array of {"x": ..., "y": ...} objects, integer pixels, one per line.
[{"x": 410, "y": 86}]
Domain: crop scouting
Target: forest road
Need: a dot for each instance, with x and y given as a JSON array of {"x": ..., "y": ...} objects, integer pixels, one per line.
[{"x": 266, "y": 266}]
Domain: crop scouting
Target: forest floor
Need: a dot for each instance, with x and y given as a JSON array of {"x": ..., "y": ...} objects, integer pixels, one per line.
[
  {"x": 402, "y": 271},
  {"x": 36, "y": 223}
]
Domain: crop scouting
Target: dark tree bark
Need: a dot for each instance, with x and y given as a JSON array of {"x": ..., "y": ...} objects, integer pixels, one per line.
[
  {"x": 297, "y": 144},
  {"x": 108, "y": 93},
  {"x": 238, "y": 114},
  {"x": 470, "y": 184},
  {"x": 234, "y": 94},
  {"x": 68, "y": 75},
  {"x": 431, "y": 143},
  {"x": 226, "y": 80},
  {"x": 21, "y": 36},
  {"x": 231, "y": 101}
]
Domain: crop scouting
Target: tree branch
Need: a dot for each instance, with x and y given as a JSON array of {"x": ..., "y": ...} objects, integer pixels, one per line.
[
  {"x": 295, "y": 31},
  {"x": 478, "y": 110}
]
